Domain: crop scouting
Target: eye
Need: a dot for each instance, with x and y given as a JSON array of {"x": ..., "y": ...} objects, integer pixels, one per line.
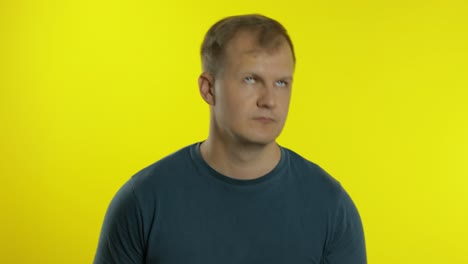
[
  {"x": 281, "y": 83},
  {"x": 250, "y": 80}
]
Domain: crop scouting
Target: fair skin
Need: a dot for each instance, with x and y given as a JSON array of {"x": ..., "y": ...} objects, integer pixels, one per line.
[{"x": 249, "y": 101}]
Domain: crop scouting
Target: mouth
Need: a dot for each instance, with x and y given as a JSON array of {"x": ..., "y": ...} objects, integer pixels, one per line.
[{"x": 264, "y": 119}]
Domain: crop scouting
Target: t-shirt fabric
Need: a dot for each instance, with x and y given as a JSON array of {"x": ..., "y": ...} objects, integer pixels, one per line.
[{"x": 179, "y": 210}]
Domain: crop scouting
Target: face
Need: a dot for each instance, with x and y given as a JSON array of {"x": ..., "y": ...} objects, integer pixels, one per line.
[{"x": 252, "y": 92}]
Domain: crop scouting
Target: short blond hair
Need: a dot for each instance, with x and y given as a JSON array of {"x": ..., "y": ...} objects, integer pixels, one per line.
[{"x": 267, "y": 30}]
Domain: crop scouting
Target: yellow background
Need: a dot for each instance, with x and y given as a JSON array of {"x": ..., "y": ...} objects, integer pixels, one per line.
[{"x": 93, "y": 91}]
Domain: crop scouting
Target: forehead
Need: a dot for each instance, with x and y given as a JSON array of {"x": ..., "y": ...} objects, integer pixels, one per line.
[
  {"x": 244, "y": 48},
  {"x": 248, "y": 42}
]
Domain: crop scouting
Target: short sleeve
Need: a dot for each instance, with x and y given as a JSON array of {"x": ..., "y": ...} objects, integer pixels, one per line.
[
  {"x": 121, "y": 239},
  {"x": 346, "y": 243}
]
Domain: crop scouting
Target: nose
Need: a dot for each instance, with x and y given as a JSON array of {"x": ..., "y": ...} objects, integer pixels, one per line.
[{"x": 266, "y": 97}]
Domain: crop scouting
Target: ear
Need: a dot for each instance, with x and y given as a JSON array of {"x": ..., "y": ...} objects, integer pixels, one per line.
[{"x": 206, "y": 87}]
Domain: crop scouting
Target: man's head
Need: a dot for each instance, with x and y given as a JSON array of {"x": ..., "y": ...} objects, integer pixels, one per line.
[
  {"x": 248, "y": 66},
  {"x": 268, "y": 33}
]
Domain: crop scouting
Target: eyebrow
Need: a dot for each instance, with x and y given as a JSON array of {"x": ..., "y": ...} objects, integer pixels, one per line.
[{"x": 289, "y": 78}]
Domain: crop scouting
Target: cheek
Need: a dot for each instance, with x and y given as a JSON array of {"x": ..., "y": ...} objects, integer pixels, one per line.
[
  {"x": 284, "y": 105},
  {"x": 284, "y": 97},
  {"x": 229, "y": 107},
  {"x": 238, "y": 99}
]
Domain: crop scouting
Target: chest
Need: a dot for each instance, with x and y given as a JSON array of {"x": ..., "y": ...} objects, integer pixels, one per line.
[{"x": 271, "y": 227}]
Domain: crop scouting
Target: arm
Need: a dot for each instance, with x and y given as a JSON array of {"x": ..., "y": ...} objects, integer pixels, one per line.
[
  {"x": 346, "y": 243},
  {"x": 122, "y": 239}
]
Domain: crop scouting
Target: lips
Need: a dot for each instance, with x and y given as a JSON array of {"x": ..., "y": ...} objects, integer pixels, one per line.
[{"x": 264, "y": 119}]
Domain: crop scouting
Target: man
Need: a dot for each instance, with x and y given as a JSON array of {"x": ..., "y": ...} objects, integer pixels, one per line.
[{"x": 237, "y": 197}]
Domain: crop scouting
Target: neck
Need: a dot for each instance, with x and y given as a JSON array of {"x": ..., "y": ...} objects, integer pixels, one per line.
[{"x": 240, "y": 161}]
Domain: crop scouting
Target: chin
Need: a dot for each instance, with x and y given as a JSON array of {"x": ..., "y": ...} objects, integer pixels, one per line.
[{"x": 259, "y": 140}]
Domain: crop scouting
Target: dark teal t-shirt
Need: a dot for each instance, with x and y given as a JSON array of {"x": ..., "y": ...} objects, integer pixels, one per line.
[{"x": 181, "y": 211}]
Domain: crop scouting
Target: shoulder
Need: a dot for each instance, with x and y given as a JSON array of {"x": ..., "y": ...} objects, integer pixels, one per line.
[
  {"x": 311, "y": 174},
  {"x": 325, "y": 192},
  {"x": 161, "y": 175},
  {"x": 166, "y": 165}
]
